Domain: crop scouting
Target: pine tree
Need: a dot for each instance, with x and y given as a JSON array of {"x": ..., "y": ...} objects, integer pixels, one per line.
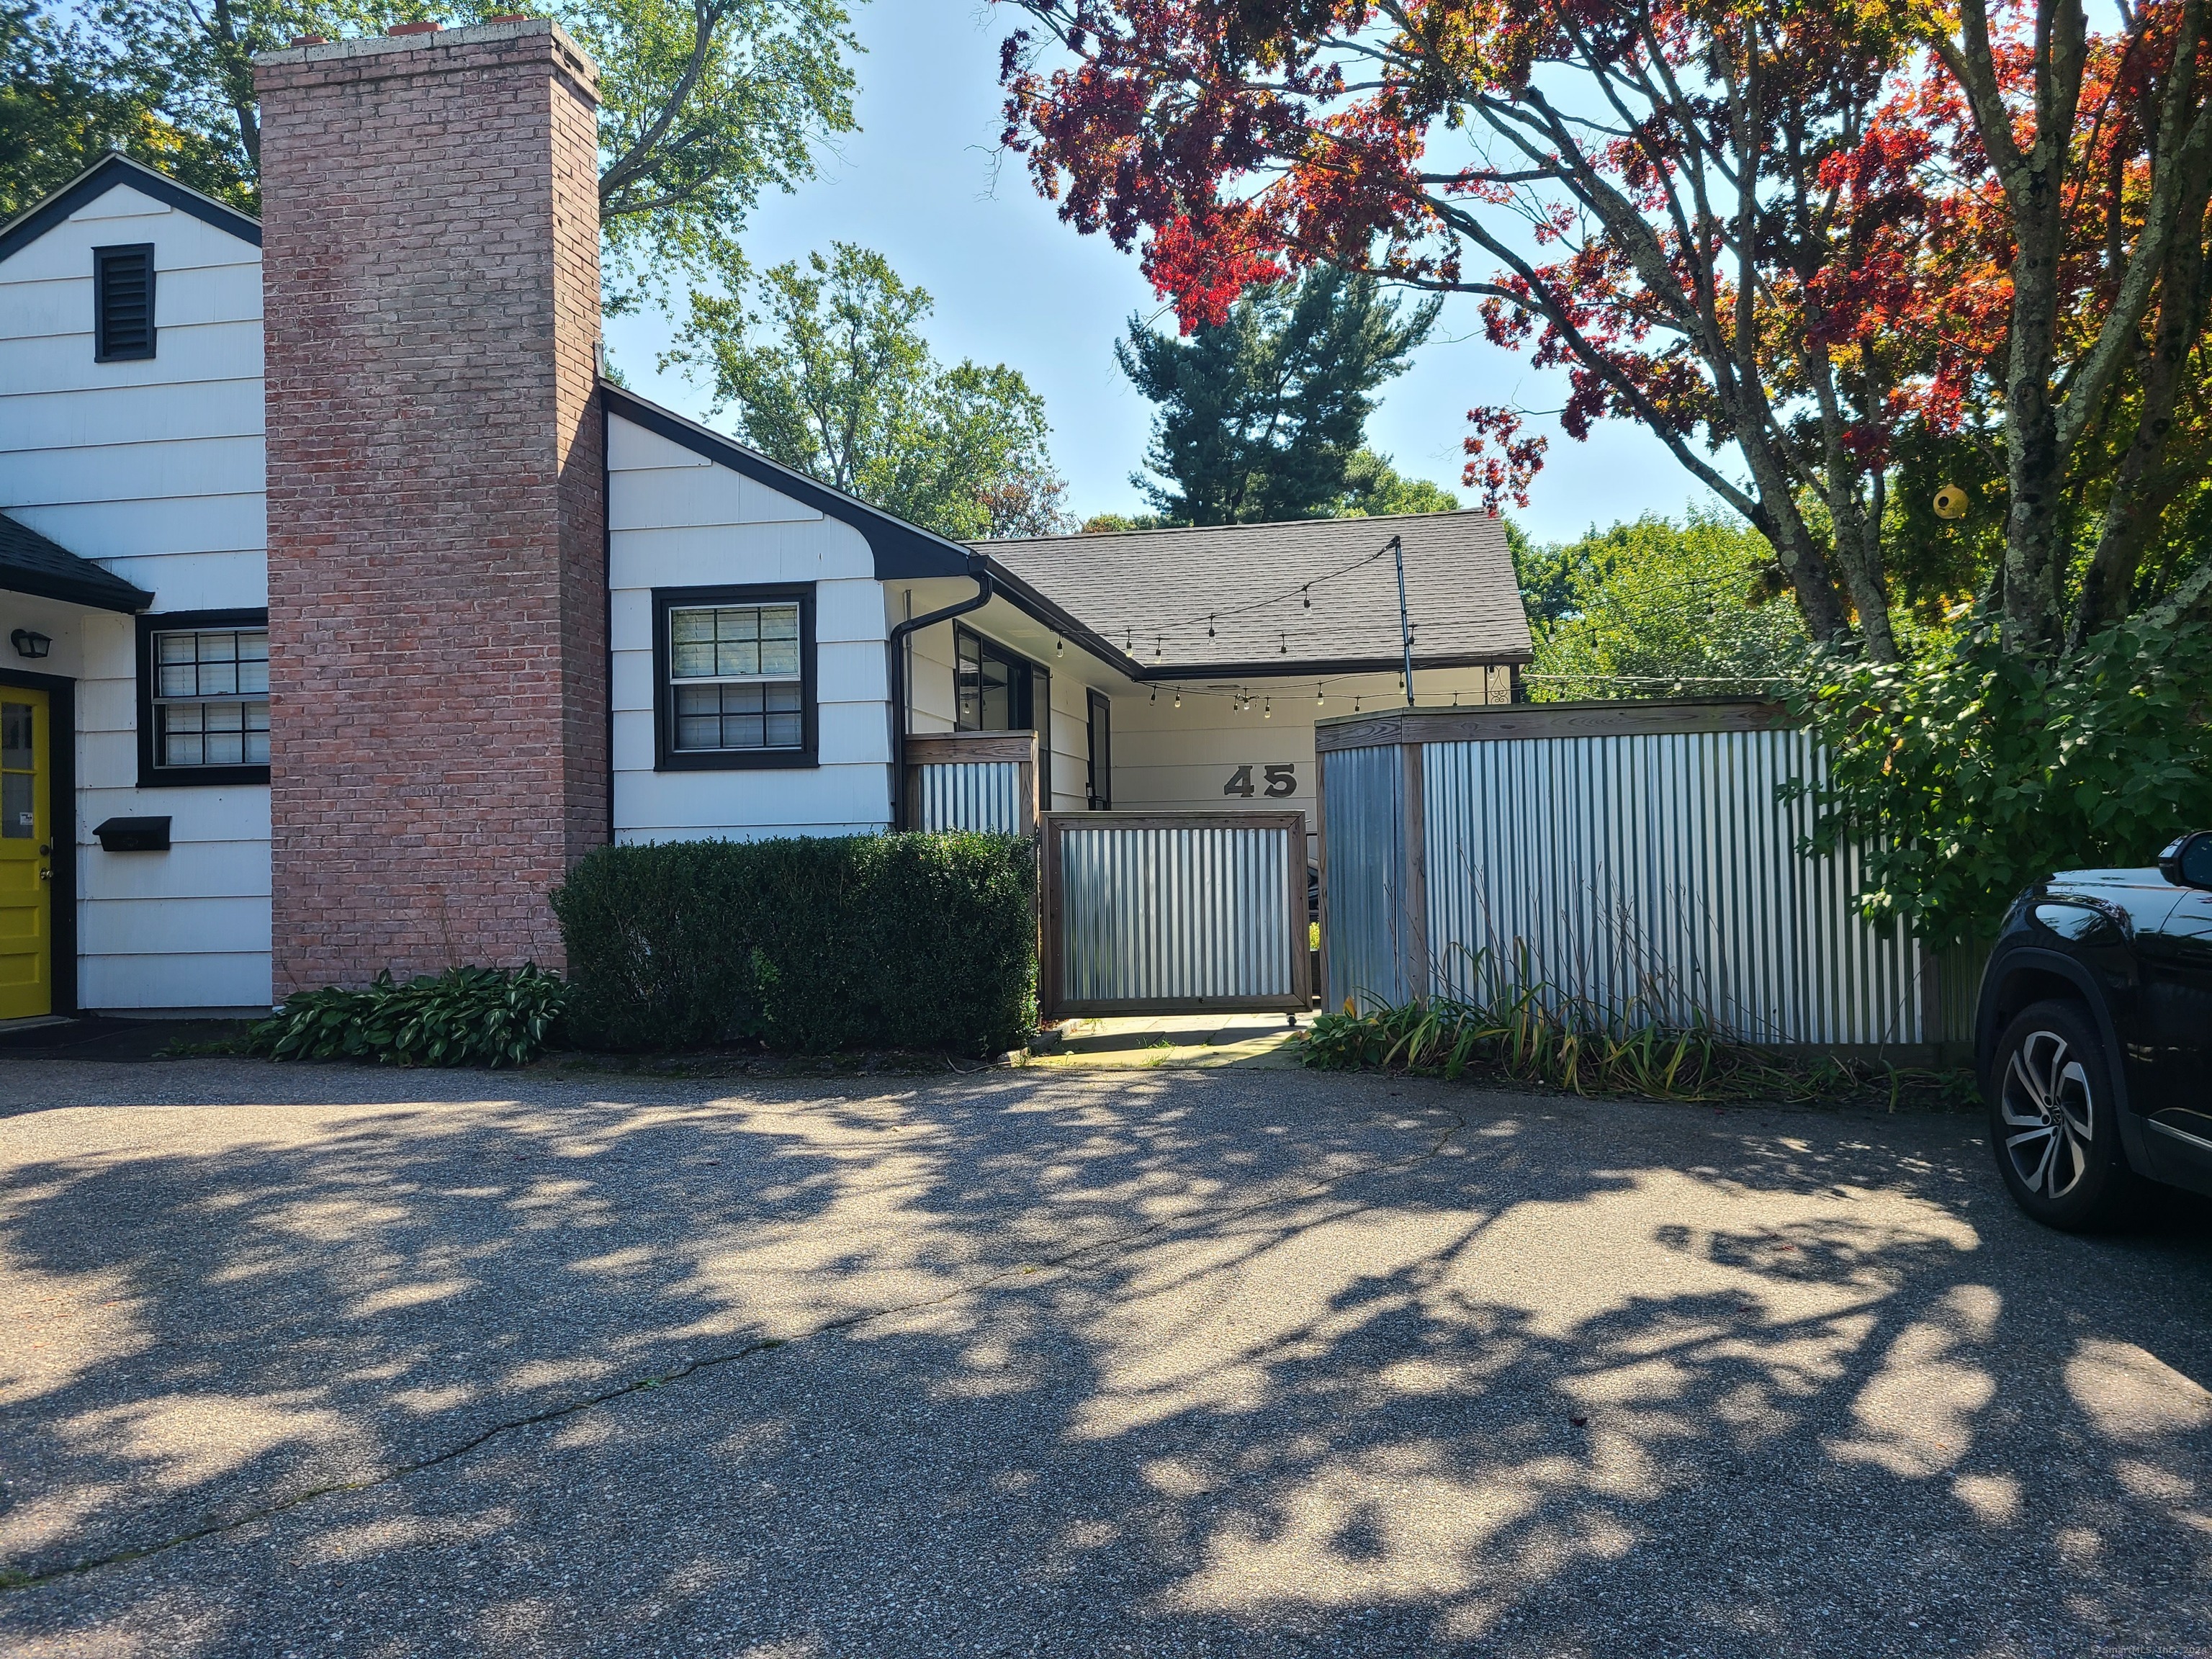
[{"x": 1261, "y": 417}]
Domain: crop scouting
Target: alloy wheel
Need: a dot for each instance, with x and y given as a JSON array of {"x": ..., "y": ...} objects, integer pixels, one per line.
[{"x": 2049, "y": 1116}]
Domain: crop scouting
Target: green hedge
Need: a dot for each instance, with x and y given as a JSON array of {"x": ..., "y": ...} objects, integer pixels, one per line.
[{"x": 905, "y": 941}]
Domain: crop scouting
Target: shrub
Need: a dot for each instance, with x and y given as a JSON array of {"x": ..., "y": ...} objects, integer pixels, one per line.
[
  {"x": 910, "y": 940},
  {"x": 463, "y": 1016},
  {"x": 1971, "y": 772}
]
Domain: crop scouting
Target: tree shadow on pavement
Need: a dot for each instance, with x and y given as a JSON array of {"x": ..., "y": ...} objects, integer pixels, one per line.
[{"x": 1167, "y": 1364}]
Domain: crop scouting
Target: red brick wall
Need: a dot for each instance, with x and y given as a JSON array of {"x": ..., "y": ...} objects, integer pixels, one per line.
[{"x": 437, "y": 597}]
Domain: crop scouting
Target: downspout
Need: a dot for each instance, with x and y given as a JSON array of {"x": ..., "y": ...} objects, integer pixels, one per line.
[{"x": 979, "y": 569}]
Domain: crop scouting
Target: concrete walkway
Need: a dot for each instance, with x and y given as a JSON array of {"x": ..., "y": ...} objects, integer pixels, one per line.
[
  {"x": 322, "y": 1361},
  {"x": 1152, "y": 1041}
]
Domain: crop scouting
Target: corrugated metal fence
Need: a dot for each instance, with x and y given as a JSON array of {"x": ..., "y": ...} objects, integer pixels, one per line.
[
  {"x": 972, "y": 781},
  {"x": 1633, "y": 859},
  {"x": 971, "y": 795},
  {"x": 1187, "y": 911}
]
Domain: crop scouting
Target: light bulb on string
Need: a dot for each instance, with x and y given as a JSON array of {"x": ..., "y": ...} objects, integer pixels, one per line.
[
  {"x": 1320, "y": 701},
  {"x": 1286, "y": 639},
  {"x": 1268, "y": 709},
  {"x": 1308, "y": 592},
  {"x": 1056, "y": 648},
  {"x": 1178, "y": 699},
  {"x": 1209, "y": 624}
]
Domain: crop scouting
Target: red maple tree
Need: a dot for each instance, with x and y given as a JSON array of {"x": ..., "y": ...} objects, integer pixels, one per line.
[{"x": 1802, "y": 244}]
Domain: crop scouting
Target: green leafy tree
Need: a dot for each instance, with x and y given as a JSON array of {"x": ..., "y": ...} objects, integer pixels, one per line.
[
  {"x": 829, "y": 373},
  {"x": 1655, "y": 606},
  {"x": 65, "y": 100},
  {"x": 1373, "y": 488},
  {"x": 1261, "y": 417},
  {"x": 704, "y": 104},
  {"x": 1965, "y": 774}
]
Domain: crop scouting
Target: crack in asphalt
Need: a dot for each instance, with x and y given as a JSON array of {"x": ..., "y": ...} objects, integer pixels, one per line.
[{"x": 1113, "y": 1247}]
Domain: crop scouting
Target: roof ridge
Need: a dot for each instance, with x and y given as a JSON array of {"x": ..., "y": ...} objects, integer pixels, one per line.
[{"x": 1257, "y": 523}]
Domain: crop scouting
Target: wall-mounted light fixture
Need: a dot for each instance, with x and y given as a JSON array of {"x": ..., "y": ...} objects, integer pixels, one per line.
[{"x": 30, "y": 642}]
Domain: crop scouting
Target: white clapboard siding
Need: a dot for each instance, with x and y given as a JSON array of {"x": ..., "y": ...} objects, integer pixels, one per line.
[
  {"x": 153, "y": 469},
  {"x": 678, "y": 519}
]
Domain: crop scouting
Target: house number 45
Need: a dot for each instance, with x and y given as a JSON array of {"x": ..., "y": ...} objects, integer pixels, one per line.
[{"x": 1280, "y": 781}]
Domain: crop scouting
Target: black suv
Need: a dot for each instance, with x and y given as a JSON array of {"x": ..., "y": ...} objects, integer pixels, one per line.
[{"x": 2094, "y": 1038}]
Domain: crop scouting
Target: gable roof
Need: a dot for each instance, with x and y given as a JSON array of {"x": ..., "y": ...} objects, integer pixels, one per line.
[
  {"x": 902, "y": 550},
  {"x": 105, "y": 175},
  {"x": 29, "y": 564},
  {"x": 1234, "y": 599}
]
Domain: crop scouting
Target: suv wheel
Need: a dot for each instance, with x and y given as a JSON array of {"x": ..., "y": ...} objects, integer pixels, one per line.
[{"x": 2052, "y": 1121}]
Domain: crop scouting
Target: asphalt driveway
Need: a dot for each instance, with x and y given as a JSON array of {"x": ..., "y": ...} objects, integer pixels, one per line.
[{"x": 324, "y": 1361}]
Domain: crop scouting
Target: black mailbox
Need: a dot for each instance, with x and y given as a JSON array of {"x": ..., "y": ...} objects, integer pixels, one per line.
[{"x": 134, "y": 836}]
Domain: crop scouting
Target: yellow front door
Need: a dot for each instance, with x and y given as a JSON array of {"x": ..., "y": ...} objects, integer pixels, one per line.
[{"x": 27, "y": 856}]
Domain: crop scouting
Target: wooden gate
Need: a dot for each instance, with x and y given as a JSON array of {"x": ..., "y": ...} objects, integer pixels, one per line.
[{"x": 1158, "y": 913}]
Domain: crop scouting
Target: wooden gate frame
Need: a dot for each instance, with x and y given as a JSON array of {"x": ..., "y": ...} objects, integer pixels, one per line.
[{"x": 1054, "y": 825}]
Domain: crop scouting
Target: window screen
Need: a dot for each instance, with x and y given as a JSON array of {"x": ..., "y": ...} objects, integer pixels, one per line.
[
  {"x": 734, "y": 677},
  {"x": 122, "y": 303},
  {"x": 210, "y": 700}
]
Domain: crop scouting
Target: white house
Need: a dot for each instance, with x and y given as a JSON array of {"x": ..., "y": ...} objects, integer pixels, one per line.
[{"x": 345, "y": 604}]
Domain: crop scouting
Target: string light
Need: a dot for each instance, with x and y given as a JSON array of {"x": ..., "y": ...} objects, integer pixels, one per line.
[
  {"x": 1056, "y": 648},
  {"x": 1307, "y": 591},
  {"x": 1268, "y": 709},
  {"x": 1209, "y": 626},
  {"x": 1286, "y": 648},
  {"x": 1178, "y": 699},
  {"x": 1319, "y": 700}
]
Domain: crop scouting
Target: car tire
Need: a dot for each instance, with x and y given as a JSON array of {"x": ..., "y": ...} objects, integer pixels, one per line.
[{"x": 2053, "y": 1121}]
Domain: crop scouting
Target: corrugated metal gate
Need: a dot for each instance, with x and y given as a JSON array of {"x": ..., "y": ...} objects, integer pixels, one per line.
[
  {"x": 1632, "y": 858},
  {"x": 1162, "y": 913}
]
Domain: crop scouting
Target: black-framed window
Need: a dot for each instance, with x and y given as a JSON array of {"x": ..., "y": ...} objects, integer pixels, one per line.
[
  {"x": 203, "y": 697},
  {"x": 1100, "y": 784},
  {"x": 995, "y": 689},
  {"x": 733, "y": 677},
  {"x": 123, "y": 303}
]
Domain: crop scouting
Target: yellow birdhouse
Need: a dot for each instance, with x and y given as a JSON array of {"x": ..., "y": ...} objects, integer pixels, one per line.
[{"x": 1950, "y": 502}]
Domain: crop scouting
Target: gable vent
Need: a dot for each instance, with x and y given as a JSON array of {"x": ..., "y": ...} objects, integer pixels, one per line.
[{"x": 122, "y": 303}]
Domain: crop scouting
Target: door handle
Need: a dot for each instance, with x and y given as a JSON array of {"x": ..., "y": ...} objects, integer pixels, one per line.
[{"x": 45, "y": 875}]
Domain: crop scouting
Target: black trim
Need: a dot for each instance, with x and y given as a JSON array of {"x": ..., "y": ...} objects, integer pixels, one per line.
[
  {"x": 1034, "y": 604},
  {"x": 902, "y": 551},
  {"x": 137, "y": 258},
  {"x": 151, "y": 777},
  {"x": 103, "y": 175},
  {"x": 1292, "y": 668},
  {"x": 1038, "y": 696},
  {"x": 61, "y": 817},
  {"x": 1098, "y": 734},
  {"x": 666, "y": 757}
]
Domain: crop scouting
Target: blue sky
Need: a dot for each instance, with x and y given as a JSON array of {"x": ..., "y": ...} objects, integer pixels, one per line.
[{"x": 922, "y": 184}]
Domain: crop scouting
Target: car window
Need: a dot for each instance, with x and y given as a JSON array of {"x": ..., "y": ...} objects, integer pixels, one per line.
[{"x": 2196, "y": 861}]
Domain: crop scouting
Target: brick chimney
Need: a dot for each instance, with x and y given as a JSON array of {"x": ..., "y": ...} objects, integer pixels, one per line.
[{"x": 437, "y": 597}]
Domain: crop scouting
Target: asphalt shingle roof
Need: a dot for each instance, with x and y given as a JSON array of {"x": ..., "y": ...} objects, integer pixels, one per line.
[
  {"x": 1234, "y": 595},
  {"x": 29, "y": 564}
]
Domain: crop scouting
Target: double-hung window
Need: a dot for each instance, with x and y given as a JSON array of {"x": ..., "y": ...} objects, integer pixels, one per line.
[
  {"x": 203, "y": 697},
  {"x": 736, "y": 673}
]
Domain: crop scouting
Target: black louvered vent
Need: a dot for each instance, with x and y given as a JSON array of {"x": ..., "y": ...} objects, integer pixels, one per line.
[{"x": 122, "y": 303}]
